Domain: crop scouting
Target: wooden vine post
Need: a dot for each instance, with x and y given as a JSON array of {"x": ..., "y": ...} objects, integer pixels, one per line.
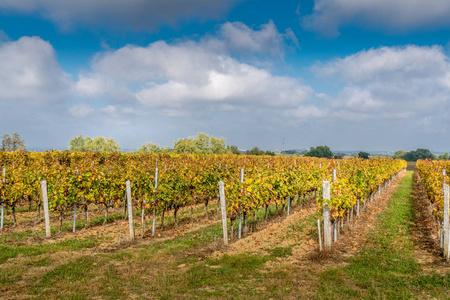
[
  {"x": 288, "y": 205},
  {"x": 75, "y": 213},
  {"x": 240, "y": 214},
  {"x": 326, "y": 216},
  {"x": 320, "y": 235},
  {"x": 130, "y": 210},
  {"x": 143, "y": 217},
  {"x": 3, "y": 201},
  {"x": 154, "y": 206},
  {"x": 224, "y": 211},
  {"x": 46, "y": 212},
  {"x": 446, "y": 223}
]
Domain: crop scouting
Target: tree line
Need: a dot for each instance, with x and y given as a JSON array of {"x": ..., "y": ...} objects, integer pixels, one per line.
[
  {"x": 419, "y": 154},
  {"x": 200, "y": 144},
  {"x": 203, "y": 143}
]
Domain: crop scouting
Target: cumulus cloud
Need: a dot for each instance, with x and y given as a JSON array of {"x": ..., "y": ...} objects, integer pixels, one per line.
[
  {"x": 400, "y": 15},
  {"x": 81, "y": 110},
  {"x": 391, "y": 82},
  {"x": 307, "y": 112},
  {"x": 238, "y": 37},
  {"x": 29, "y": 70},
  {"x": 119, "y": 14},
  {"x": 190, "y": 74}
]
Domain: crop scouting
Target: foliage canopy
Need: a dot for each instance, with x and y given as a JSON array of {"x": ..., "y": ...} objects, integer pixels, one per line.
[{"x": 320, "y": 151}]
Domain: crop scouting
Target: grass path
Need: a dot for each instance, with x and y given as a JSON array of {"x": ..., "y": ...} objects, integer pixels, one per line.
[{"x": 387, "y": 268}]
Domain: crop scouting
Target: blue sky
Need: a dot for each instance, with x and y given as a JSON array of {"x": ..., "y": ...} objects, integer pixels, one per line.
[{"x": 367, "y": 75}]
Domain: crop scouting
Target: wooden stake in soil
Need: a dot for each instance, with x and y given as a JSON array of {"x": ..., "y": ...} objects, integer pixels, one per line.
[
  {"x": 335, "y": 231},
  {"x": 288, "y": 205},
  {"x": 3, "y": 202},
  {"x": 46, "y": 213},
  {"x": 357, "y": 209},
  {"x": 326, "y": 216},
  {"x": 224, "y": 211},
  {"x": 86, "y": 215},
  {"x": 143, "y": 218},
  {"x": 75, "y": 213},
  {"x": 130, "y": 210},
  {"x": 154, "y": 207},
  {"x": 1, "y": 221},
  {"x": 240, "y": 215},
  {"x": 446, "y": 223},
  {"x": 320, "y": 235},
  {"x": 240, "y": 226},
  {"x": 154, "y": 221},
  {"x": 74, "y": 217}
]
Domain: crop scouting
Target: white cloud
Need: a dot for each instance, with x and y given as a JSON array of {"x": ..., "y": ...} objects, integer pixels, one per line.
[
  {"x": 240, "y": 38},
  {"x": 189, "y": 74},
  {"x": 305, "y": 113},
  {"x": 109, "y": 109},
  {"x": 411, "y": 62},
  {"x": 399, "y": 15},
  {"x": 30, "y": 71},
  {"x": 119, "y": 14},
  {"x": 387, "y": 82},
  {"x": 356, "y": 99},
  {"x": 81, "y": 110}
]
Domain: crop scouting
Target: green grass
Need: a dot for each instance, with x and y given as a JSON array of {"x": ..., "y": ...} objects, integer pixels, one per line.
[
  {"x": 189, "y": 240},
  {"x": 7, "y": 252},
  {"x": 386, "y": 269},
  {"x": 229, "y": 277}
]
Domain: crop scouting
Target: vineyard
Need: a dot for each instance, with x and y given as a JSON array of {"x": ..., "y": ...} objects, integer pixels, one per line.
[
  {"x": 282, "y": 203},
  {"x": 434, "y": 178},
  {"x": 161, "y": 182},
  {"x": 433, "y": 175}
]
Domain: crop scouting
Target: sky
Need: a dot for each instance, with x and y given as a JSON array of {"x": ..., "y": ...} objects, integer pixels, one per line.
[{"x": 369, "y": 75}]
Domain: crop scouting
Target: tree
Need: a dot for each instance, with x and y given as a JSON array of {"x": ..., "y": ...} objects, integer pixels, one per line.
[
  {"x": 339, "y": 155},
  {"x": 201, "y": 143},
  {"x": 185, "y": 146},
  {"x": 152, "y": 148},
  {"x": 400, "y": 154},
  {"x": 363, "y": 155},
  {"x": 444, "y": 156},
  {"x": 99, "y": 143},
  {"x": 268, "y": 152},
  {"x": 218, "y": 145},
  {"x": 255, "y": 151},
  {"x": 12, "y": 143},
  {"x": 233, "y": 149},
  {"x": 418, "y": 154},
  {"x": 111, "y": 146},
  {"x": 320, "y": 151},
  {"x": 77, "y": 144}
]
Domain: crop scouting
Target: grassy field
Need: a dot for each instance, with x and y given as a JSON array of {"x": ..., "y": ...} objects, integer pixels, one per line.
[{"x": 194, "y": 265}]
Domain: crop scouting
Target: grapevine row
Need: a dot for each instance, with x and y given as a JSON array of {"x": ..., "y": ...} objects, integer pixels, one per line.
[
  {"x": 433, "y": 174},
  {"x": 99, "y": 178}
]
